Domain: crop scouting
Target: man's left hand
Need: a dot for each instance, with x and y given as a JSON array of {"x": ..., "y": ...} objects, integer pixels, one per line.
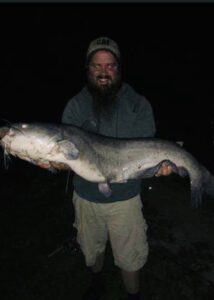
[{"x": 164, "y": 170}]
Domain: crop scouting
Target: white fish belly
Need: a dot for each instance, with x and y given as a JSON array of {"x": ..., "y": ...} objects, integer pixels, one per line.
[{"x": 86, "y": 170}]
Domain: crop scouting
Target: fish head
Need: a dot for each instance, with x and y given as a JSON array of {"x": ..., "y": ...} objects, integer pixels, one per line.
[
  {"x": 31, "y": 142},
  {"x": 3, "y": 131}
]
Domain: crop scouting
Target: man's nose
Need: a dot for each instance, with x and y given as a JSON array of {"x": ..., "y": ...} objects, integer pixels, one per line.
[{"x": 104, "y": 70}]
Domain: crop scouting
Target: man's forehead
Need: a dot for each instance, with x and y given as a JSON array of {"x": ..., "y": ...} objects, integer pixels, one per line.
[{"x": 103, "y": 56}]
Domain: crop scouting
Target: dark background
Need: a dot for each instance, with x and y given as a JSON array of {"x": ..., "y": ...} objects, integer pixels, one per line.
[{"x": 167, "y": 55}]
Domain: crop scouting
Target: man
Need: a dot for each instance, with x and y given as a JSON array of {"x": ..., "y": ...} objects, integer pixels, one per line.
[{"x": 110, "y": 107}]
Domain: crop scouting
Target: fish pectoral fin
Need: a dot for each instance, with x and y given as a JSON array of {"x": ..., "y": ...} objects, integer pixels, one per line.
[
  {"x": 182, "y": 172},
  {"x": 105, "y": 189},
  {"x": 69, "y": 149}
]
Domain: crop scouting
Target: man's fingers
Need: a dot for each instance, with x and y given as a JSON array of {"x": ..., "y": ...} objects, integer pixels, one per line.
[{"x": 164, "y": 170}]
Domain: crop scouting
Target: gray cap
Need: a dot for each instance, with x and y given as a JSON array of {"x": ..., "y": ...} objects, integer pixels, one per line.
[{"x": 103, "y": 43}]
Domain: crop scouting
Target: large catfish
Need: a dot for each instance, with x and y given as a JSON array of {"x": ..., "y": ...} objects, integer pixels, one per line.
[{"x": 102, "y": 159}]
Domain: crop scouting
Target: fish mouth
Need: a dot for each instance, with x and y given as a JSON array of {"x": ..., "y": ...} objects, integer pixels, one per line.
[{"x": 3, "y": 132}]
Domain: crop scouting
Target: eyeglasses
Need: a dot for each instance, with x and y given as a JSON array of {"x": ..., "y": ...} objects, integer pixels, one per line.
[{"x": 109, "y": 67}]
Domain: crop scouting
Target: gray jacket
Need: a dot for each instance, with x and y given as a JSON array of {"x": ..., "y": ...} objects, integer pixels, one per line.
[{"x": 133, "y": 118}]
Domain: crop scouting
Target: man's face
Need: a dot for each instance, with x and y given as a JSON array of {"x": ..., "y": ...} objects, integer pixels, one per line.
[
  {"x": 104, "y": 82},
  {"x": 103, "y": 70}
]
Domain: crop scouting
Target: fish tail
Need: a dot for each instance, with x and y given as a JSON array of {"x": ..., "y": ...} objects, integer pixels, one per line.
[{"x": 209, "y": 183}]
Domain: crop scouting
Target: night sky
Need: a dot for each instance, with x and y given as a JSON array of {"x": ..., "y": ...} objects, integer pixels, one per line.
[{"x": 166, "y": 50}]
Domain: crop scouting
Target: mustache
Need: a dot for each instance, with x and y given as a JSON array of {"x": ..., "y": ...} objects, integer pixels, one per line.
[{"x": 103, "y": 77}]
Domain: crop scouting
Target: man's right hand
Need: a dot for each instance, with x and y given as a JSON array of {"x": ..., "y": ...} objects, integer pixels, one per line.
[
  {"x": 53, "y": 165},
  {"x": 44, "y": 165}
]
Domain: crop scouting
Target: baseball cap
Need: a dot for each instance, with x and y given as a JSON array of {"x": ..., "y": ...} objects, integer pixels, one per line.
[{"x": 103, "y": 43}]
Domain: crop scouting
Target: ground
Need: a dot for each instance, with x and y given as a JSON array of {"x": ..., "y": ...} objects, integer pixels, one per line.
[{"x": 36, "y": 218}]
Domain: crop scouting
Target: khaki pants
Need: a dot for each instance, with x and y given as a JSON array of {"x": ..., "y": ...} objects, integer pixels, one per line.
[{"x": 121, "y": 222}]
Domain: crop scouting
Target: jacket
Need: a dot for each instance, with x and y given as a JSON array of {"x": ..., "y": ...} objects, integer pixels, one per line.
[{"x": 132, "y": 118}]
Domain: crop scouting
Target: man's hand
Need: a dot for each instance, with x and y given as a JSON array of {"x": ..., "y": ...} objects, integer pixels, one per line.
[
  {"x": 53, "y": 165},
  {"x": 44, "y": 165},
  {"x": 164, "y": 170},
  {"x": 59, "y": 166}
]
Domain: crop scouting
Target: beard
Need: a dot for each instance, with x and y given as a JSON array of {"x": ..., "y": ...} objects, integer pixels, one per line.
[{"x": 104, "y": 97}]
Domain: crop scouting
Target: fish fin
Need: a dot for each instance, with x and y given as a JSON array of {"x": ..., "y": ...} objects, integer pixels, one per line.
[
  {"x": 69, "y": 149},
  {"x": 208, "y": 183},
  {"x": 105, "y": 189},
  {"x": 182, "y": 172},
  {"x": 196, "y": 196}
]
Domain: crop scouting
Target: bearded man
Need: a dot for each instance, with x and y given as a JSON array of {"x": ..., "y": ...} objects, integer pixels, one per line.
[{"x": 110, "y": 107}]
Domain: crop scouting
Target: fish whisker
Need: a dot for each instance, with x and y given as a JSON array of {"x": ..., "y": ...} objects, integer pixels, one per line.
[{"x": 7, "y": 159}]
